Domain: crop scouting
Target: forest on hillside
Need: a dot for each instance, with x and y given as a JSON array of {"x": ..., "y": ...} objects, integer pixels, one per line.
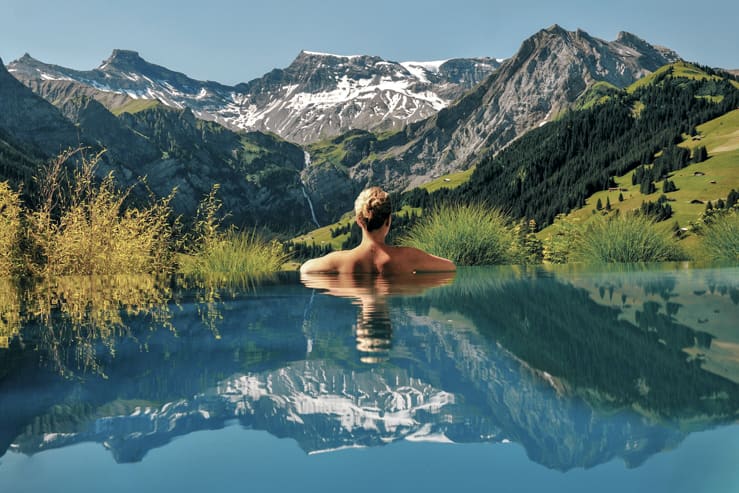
[{"x": 554, "y": 168}]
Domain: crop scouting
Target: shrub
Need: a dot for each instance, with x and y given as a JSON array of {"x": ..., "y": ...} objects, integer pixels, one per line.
[
  {"x": 625, "y": 238},
  {"x": 83, "y": 228},
  {"x": 466, "y": 234},
  {"x": 721, "y": 237}
]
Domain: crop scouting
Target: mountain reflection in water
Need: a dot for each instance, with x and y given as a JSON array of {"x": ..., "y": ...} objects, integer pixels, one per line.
[{"x": 578, "y": 367}]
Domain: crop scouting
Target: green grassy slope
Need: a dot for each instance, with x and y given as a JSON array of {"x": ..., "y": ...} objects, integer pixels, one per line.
[
  {"x": 677, "y": 69},
  {"x": 452, "y": 180},
  {"x": 709, "y": 180},
  {"x": 135, "y": 106}
]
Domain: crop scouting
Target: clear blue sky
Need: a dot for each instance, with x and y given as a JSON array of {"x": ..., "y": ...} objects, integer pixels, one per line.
[{"x": 235, "y": 41}]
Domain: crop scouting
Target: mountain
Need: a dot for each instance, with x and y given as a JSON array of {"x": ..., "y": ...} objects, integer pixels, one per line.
[
  {"x": 317, "y": 96},
  {"x": 26, "y": 117},
  {"x": 553, "y": 169},
  {"x": 322, "y": 95},
  {"x": 550, "y": 72},
  {"x": 259, "y": 174}
]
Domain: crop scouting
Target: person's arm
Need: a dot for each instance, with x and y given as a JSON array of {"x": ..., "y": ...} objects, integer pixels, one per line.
[
  {"x": 425, "y": 262},
  {"x": 327, "y": 263}
]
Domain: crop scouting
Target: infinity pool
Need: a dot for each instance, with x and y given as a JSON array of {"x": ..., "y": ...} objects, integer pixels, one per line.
[{"x": 493, "y": 379}]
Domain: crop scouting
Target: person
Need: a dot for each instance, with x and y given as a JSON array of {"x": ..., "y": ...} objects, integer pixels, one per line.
[{"x": 372, "y": 256}]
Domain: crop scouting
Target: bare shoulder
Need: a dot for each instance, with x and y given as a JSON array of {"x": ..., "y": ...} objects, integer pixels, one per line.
[
  {"x": 328, "y": 263},
  {"x": 423, "y": 261}
]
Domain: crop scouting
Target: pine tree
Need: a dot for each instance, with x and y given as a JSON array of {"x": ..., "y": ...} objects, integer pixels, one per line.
[
  {"x": 732, "y": 199},
  {"x": 599, "y": 205},
  {"x": 620, "y": 197},
  {"x": 700, "y": 154},
  {"x": 608, "y": 203},
  {"x": 668, "y": 186}
]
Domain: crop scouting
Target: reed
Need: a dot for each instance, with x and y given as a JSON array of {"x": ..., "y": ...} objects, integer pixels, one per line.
[
  {"x": 625, "y": 238},
  {"x": 471, "y": 234}
]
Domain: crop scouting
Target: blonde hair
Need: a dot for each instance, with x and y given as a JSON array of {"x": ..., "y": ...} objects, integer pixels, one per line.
[{"x": 373, "y": 207}]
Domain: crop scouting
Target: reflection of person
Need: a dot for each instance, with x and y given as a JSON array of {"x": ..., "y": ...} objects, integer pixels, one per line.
[
  {"x": 370, "y": 293},
  {"x": 372, "y": 209}
]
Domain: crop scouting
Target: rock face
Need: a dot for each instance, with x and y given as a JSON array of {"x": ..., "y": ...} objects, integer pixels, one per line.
[{"x": 317, "y": 96}]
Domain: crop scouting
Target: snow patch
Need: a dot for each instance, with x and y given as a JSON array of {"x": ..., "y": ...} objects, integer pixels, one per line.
[
  {"x": 45, "y": 76},
  {"x": 419, "y": 70},
  {"x": 318, "y": 53}
]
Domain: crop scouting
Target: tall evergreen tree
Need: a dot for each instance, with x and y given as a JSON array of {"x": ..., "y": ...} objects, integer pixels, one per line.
[{"x": 700, "y": 154}]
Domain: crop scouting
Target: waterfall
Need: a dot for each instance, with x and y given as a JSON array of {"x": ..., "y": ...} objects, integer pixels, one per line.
[{"x": 305, "y": 194}]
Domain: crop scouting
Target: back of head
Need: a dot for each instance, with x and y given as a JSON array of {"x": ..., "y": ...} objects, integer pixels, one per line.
[{"x": 373, "y": 208}]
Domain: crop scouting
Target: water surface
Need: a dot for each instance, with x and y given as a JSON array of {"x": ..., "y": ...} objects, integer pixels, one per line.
[{"x": 505, "y": 379}]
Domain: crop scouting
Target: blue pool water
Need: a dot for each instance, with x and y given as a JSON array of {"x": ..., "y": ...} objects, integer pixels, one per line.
[{"x": 494, "y": 379}]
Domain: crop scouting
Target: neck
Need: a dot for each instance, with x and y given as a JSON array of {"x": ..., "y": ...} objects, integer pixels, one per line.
[{"x": 373, "y": 238}]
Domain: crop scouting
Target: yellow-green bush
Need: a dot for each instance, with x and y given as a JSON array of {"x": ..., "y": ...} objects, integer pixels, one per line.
[
  {"x": 10, "y": 229},
  {"x": 84, "y": 228},
  {"x": 10, "y": 308}
]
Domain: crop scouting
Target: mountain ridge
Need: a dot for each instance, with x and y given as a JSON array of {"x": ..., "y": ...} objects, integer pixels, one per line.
[{"x": 318, "y": 95}]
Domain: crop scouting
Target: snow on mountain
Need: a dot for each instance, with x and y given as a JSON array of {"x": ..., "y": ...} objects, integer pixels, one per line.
[
  {"x": 420, "y": 69},
  {"x": 319, "y": 95}
]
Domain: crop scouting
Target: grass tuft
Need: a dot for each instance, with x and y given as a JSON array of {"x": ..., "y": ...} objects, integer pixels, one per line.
[
  {"x": 235, "y": 256},
  {"x": 465, "y": 234},
  {"x": 720, "y": 239},
  {"x": 625, "y": 238}
]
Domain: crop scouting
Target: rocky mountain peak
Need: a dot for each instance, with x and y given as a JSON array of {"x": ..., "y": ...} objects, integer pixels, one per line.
[
  {"x": 555, "y": 29},
  {"x": 314, "y": 56},
  {"x": 124, "y": 60},
  {"x": 351, "y": 65},
  {"x": 646, "y": 50},
  {"x": 26, "y": 62}
]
